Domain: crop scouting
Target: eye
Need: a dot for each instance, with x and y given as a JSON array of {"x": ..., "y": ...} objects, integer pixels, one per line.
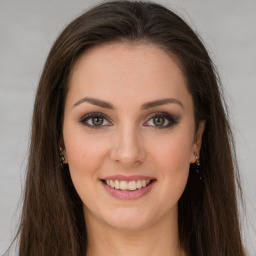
[
  {"x": 95, "y": 120},
  {"x": 161, "y": 120}
]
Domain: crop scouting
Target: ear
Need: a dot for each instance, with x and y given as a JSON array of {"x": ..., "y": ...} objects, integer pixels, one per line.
[
  {"x": 61, "y": 143},
  {"x": 197, "y": 141}
]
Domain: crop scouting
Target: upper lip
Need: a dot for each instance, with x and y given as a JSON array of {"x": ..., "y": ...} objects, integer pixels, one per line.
[{"x": 128, "y": 178}]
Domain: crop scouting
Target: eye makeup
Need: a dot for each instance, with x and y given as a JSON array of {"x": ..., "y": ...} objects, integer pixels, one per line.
[
  {"x": 95, "y": 120},
  {"x": 159, "y": 120}
]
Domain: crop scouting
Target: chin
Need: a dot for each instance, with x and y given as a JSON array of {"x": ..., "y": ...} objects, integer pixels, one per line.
[
  {"x": 128, "y": 219},
  {"x": 128, "y": 224}
]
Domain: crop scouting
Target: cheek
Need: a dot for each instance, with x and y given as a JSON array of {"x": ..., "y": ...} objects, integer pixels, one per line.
[
  {"x": 84, "y": 153},
  {"x": 174, "y": 165},
  {"x": 172, "y": 158},
  {"x": 174, "y": 153},
  {"x": 85, "y": 156}
]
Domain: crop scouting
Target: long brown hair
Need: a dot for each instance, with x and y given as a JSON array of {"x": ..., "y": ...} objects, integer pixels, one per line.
[{"x": 52, "y": 221}]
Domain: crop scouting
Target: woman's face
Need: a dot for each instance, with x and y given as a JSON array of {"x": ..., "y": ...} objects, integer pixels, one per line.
[{"x": 129, "y": 134}]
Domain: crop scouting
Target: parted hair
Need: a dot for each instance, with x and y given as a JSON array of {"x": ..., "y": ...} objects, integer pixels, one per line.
[{"x": 52, "y": 221}]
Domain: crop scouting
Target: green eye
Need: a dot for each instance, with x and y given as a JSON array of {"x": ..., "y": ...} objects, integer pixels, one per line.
[
  {"x": 162, "y": 120},
  {"x": 97, "y": 121},
  {"x": 159, "y": 121}
]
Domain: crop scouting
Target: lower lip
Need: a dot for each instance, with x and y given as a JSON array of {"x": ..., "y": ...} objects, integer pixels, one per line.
[{"x": 128, "y": 194}]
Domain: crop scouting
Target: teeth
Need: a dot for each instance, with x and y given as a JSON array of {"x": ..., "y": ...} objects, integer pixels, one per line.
[
  {"x": 127, "y": 185},
  {"x": 117, "y": 184},
  {"x": 123, "y": 185},
  {"x": 112, "y": 184},
  {"x": 132, "y": 185}
]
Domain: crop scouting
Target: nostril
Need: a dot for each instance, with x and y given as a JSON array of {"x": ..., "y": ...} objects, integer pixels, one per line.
[{"x": 128, "y": 152}]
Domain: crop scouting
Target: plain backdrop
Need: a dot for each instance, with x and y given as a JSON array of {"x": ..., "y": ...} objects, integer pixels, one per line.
[{"x": 27, "y": 31}]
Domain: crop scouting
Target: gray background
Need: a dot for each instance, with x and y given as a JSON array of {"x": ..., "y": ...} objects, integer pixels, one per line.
[{"x": 27, "y": 31}]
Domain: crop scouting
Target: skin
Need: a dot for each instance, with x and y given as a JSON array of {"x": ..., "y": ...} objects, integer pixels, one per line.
[{"x": 130, "y": 143}]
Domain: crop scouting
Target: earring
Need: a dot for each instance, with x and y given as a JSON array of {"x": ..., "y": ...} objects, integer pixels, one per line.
[
  {"x": 62, "y": 157},
  {"x": 197, "y": 159},
  {"x": 197, "y": 170}
]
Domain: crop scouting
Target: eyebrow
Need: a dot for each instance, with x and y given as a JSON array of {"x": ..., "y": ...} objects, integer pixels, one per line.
[
  {"x": 147, "y": 105},
  {"x": 162, "y": 102},
  {"x": 96, "y": 102}
]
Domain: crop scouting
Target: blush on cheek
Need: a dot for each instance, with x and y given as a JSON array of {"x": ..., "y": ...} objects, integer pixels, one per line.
[
  {"x": 83, "y": 156},
  {"x": 174, "y": 161},
  {"x": 174, "y": 153}
]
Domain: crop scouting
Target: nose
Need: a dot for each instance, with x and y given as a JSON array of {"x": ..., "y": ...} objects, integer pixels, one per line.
[{"x": 128, "y": 149}]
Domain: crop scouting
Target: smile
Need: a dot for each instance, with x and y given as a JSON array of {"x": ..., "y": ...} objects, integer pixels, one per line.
[{"x": 127, "y": 185}]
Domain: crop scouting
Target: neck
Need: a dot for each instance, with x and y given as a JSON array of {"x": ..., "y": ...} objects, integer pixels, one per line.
[{"x": 158, "y": 239}]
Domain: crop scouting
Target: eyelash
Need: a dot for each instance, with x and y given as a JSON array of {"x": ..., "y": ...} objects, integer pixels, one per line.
[
  {"x": 87, "y": 117},
  {"x": 171, "y": 119}
]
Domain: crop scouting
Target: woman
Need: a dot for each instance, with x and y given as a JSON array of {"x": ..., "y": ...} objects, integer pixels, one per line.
[{"x": 131, "y": 150}]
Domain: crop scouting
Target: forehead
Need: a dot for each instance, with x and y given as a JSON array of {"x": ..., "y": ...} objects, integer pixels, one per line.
[
  {"x": 124, "y": 53},
  {"x": 127, "y": 71}
]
